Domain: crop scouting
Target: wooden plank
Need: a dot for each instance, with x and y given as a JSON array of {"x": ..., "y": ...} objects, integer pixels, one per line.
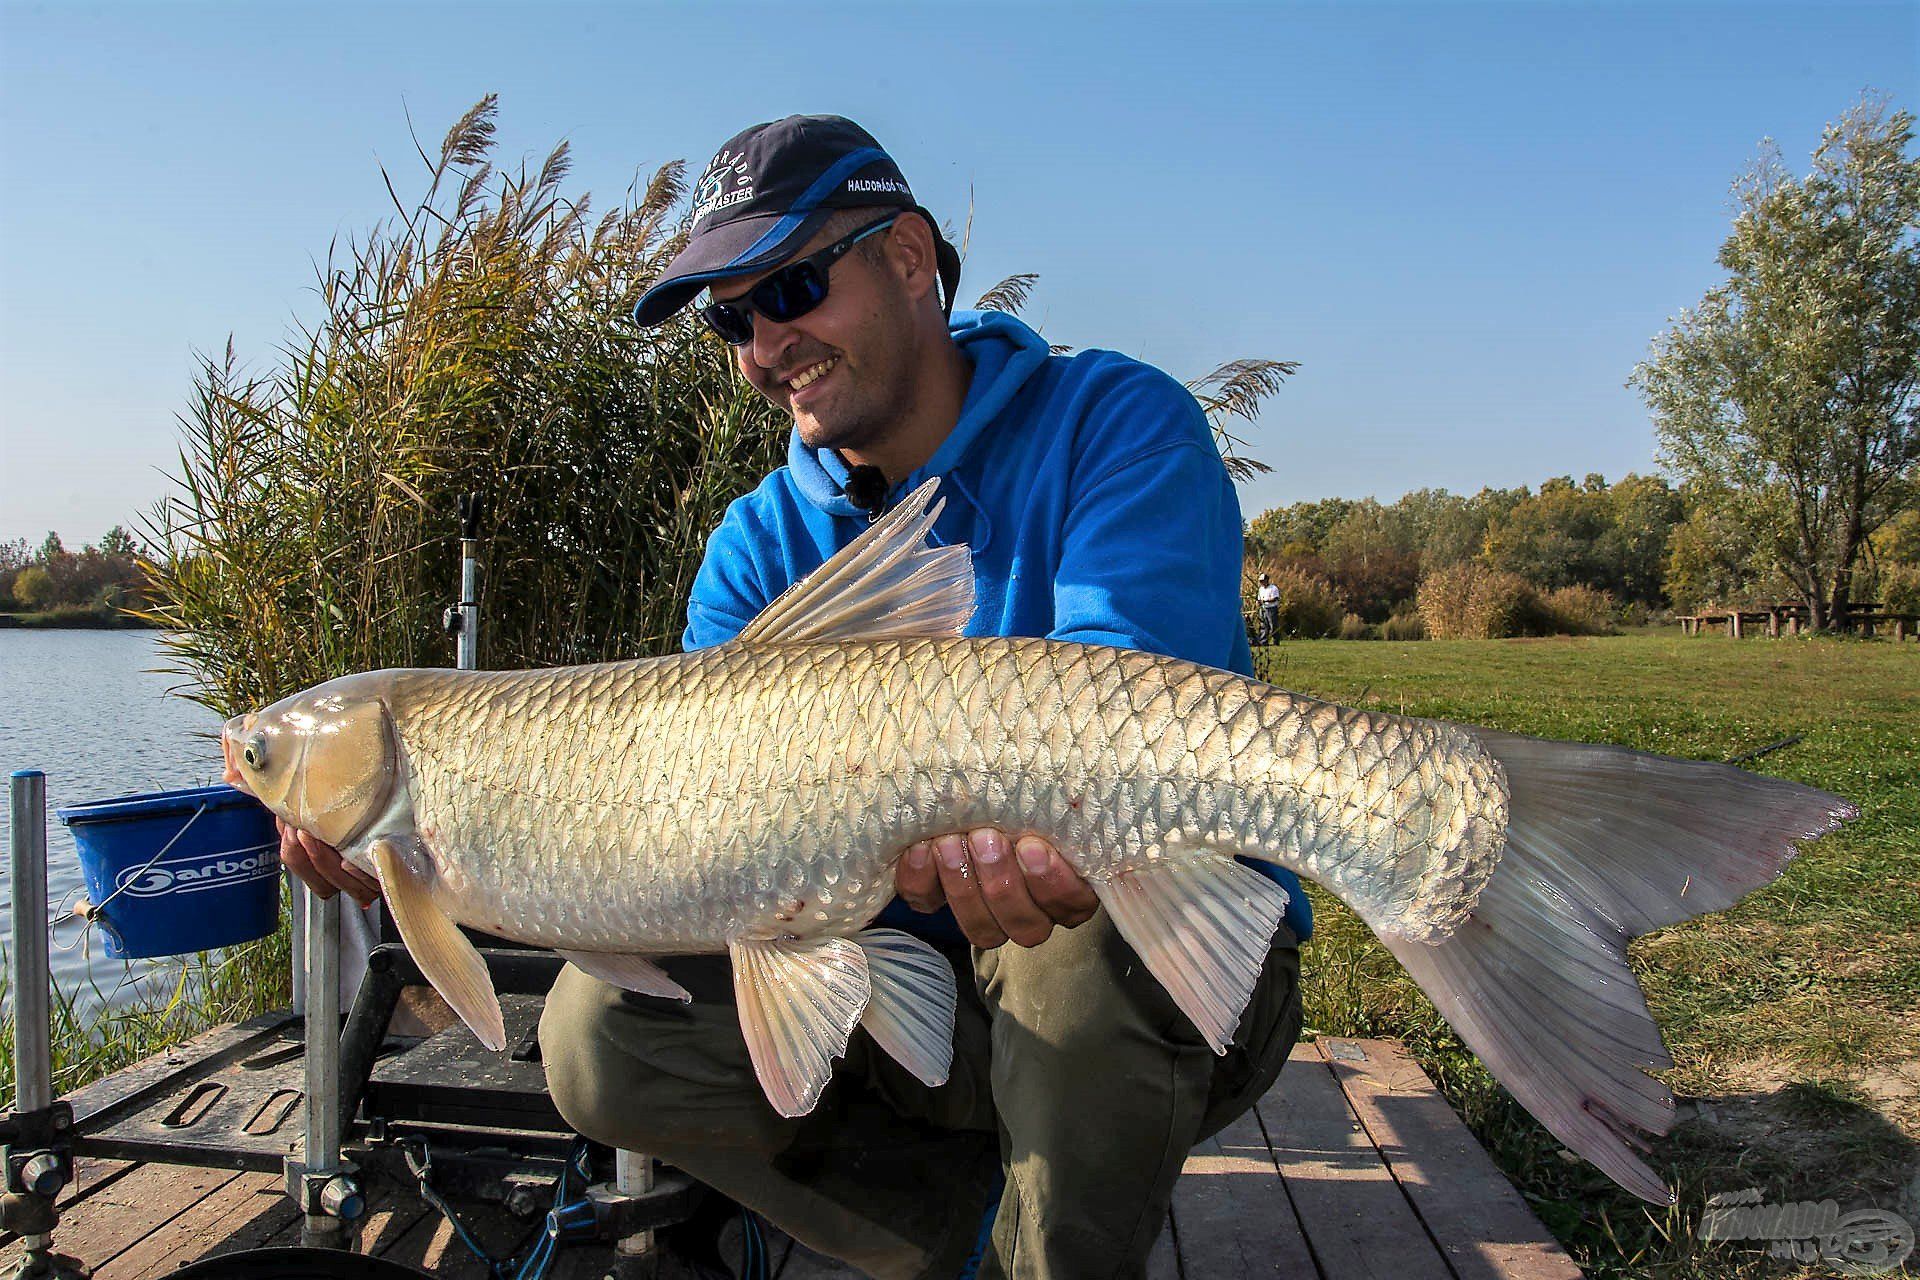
[
  {"x": 595, "y": 1261},
  {"x": 1355, "y": 1218},
  {"x": 253, "y": 1204},
  {"x": 117, "y": 1217},
  {"x": 805, "y": 1264},
  {"x": 433, "y": 1247},
  {"x": 1479, "y": 1220},
  {"x": 1234, "y": 1215},
  {"x": 392, "y": 1212},
  {"x": 90, "y": 1174}
]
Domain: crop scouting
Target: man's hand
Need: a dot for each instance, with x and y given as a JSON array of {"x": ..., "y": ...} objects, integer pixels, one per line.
[
  {"x": 998, "y": 891},
  {"x": 321, "y": 867}
]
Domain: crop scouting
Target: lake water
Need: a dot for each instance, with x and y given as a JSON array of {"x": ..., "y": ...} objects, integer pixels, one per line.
[{"x": 89, "y": 708}]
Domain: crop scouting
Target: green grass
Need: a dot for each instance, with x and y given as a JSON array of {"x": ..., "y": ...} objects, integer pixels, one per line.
[{"x": 1794, "y": 1016}]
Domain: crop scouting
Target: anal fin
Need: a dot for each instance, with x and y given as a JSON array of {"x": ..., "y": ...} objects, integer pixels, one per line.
[
  {"x": 629, "y": 972},
  {"x": 443, "y": 953},
  {"x": 910, "y": 1014},
  {"x": 1202, "y": 926},
  {"x": 799, "y": 1001}
]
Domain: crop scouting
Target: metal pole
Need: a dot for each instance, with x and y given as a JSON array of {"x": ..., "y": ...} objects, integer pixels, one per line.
[
  {"x": 467, "y": 644},
  {"x": 297, "y": 895},
  {"x": 321, "y": 1155},
  {"x": 467, "y": 639},
  {"x": 32, "y": 1035},
  {"x": 38, "y": 1159},
  {"x": 633, "y": 1176}
]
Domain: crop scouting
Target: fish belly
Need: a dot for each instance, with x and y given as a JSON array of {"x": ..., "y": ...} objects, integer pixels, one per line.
[{"x": 676, "y": 805}]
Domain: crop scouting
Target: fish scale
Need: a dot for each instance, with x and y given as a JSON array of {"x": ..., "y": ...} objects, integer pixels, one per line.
[{"x": 761, "y": 777}]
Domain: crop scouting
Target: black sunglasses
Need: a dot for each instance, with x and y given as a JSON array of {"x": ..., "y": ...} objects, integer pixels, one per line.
[{"x": 788, "y": 293}]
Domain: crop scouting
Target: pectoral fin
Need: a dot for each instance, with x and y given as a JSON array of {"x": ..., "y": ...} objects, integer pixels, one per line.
[
  {"x": 443, "y": 953},
  {"x": 911, "y": 1012},
  {"x": 1202, "y": 926},
  {"x": 799, "y": 1000},
  {"x": 630, "y": 972}
]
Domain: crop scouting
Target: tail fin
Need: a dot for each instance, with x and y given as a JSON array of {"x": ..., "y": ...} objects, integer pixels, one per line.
[{"x": 1603, "y": 844}]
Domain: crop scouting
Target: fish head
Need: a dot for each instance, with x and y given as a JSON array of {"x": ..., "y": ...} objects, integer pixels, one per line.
[{"x": 324, "y": 761}]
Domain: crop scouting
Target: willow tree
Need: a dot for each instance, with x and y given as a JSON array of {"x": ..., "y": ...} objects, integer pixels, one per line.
[{"x": 1786, "y": 401}]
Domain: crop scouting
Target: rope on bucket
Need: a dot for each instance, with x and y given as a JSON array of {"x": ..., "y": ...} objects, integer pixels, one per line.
[
  {"x": 95, "y": 913},
  {"x": 93, "y": 910}
]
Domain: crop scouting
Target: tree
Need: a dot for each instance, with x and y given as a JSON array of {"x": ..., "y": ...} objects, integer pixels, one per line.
[
  {"x": 33, "y": 587},
  {"x": 1553, "y": 539},
  {"x": 1787, "y": 399},
  {"x": 1645, "y": 511},
  {"x": 1299, "y": 529}
]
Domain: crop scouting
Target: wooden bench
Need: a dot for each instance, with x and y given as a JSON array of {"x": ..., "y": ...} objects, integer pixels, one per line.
[
  {"x": 1792, "y": 619},
  {"x": 1353, "y": 1166}
]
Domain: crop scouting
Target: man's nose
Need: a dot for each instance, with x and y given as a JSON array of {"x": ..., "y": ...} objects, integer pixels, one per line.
[{"x": 771, "y": 340}]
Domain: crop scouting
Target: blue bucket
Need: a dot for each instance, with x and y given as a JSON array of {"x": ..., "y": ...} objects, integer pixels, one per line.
[{"x": 179, "y": 871}]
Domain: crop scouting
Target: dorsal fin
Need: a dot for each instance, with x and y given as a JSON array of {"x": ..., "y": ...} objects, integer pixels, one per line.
[{"x": 887, "y": 582}]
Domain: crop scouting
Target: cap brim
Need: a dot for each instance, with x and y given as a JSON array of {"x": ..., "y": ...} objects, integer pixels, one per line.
[{"x": 721, "y": 253}]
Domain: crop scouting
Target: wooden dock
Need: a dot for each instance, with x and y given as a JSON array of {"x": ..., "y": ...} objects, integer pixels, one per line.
[{"x": 1353, "y": 1166}]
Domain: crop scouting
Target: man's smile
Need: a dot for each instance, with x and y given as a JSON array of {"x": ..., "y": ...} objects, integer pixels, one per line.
[{"x": 811, "y": 374}]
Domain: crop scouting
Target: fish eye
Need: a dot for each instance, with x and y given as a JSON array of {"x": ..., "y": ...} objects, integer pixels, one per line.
[{"x": 254, "y": 753}]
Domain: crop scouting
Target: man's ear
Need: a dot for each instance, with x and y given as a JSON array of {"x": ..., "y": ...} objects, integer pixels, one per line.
[{"x": 910, "y": 251}]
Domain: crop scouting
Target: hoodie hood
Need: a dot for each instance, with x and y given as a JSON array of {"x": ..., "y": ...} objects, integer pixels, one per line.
[{"x": 1005, "y": 354}]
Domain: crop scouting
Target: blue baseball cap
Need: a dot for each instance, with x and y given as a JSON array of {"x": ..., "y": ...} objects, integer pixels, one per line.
[{"x": 767, "y": 192}]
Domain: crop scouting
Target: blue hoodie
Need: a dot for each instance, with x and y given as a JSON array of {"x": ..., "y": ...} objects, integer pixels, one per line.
[{"x": 1087, "y": 487}]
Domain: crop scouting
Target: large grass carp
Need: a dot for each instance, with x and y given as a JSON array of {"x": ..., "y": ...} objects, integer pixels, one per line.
[{"x": 752, "y": 798}]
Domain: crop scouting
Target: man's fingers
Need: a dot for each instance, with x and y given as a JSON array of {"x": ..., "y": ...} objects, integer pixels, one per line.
[
  {"x": 1054, "y": 886},
  {"x": 327, "y": 861},
  {"x": 294, "y": 858},
  {"x": 916, "y": 879},
  {"x": 962, "y": 887},
  {"x": 1003, "y": 887},
  {"x": 364, "y": 888}
]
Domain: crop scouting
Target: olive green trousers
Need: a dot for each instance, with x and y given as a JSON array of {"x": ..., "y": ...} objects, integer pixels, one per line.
[{"x": 1073, "y": 1071}]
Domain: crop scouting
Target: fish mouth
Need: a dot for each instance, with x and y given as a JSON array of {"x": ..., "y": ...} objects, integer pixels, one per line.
[{"x": 229, "y": 732}]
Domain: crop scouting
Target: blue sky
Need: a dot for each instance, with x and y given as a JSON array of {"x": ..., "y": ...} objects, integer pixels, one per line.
[{"x": 1465, "y": 221}]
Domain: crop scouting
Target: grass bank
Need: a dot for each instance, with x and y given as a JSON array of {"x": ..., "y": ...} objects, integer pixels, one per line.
[{"x": 1793, "y": 1018}]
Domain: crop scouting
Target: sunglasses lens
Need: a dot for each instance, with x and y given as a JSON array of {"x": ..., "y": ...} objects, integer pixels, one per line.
[
  {"x": 790, "y": 294},
  {"x": 733, "y": 325}
]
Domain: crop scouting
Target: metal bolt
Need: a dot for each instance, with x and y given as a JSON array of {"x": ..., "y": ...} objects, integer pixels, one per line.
[
  {"x": 341, "y": 1198},
  {"x": 41, "y": 1175}
]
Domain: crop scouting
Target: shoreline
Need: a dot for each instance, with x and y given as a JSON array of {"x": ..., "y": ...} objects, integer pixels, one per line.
[{"x": 72, "y": 620}]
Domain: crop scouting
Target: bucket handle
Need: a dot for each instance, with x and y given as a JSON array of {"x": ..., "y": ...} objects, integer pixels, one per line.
[{"x": 94, "y": 911}]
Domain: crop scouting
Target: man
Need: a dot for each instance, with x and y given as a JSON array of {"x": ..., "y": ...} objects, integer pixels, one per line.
[
  {"x": 1097, "y": 509},
  {"x": 1269, "y": 596}
]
